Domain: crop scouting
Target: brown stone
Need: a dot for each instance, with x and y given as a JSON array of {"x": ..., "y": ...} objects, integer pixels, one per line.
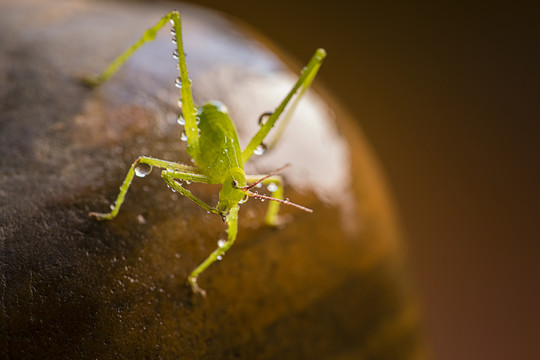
[{"x": 327, "y": 285}]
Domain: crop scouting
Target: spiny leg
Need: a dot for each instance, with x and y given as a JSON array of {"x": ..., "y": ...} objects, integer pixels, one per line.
[
  {"x": 305, "y": 79},
  {"x": 231, "y": 219},
  {"x": 151, "y": 162},
  {"x": 183, "y": 81},
  {"x": 148, "y": 35}
]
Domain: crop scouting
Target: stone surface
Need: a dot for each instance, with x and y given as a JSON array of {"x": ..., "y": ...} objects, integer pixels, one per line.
[{"x": 327, "y": 285}]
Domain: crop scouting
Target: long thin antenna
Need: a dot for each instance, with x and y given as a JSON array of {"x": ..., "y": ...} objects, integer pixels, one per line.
[
  {"x": 286, "y": 202},
  {"x": 273, "y": 172}
]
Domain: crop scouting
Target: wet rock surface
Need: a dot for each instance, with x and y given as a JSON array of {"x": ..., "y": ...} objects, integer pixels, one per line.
[{"x": 327, "y": 285}]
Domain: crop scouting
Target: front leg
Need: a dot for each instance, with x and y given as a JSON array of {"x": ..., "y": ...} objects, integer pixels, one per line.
[
  {"x": 171, "y": 177},
  {"x": 231, "y": 219},
  {"x": 134, "y": 170}
]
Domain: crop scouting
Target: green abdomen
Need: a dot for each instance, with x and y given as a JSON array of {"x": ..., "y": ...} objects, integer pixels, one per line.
[{"x": 218, "y": 142}]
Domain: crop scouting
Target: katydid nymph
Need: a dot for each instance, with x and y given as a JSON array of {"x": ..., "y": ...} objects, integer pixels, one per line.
[{"x": 213, "y": 144}]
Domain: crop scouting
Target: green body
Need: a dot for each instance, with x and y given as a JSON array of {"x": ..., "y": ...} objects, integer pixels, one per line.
[
  {"x": 213, "y": 145},
  {"x": 219, "y": 156}
]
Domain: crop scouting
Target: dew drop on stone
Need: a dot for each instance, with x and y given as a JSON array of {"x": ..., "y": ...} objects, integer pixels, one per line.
[
  {"x": 259, "y": 150},
  {"x": 141, "y": 170}
]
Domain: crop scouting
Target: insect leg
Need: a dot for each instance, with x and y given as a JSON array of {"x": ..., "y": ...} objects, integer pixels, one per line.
[
  {"x": 306, "y": 78},
  {"x": 147, "y": 36},
  {"x": 232, "y": 227},
  {"x": 275, "y": 185},
  {"x": 171, "y": 177},
  {"x": 188, "y": 108},
  {"x": 151, "y": 162}
]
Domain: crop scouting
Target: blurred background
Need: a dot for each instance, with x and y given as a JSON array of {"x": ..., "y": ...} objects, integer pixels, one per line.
[{"x": 448, "y": 96}]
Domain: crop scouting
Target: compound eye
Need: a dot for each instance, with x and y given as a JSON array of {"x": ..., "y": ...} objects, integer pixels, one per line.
[{"x": 235, "y": 184}]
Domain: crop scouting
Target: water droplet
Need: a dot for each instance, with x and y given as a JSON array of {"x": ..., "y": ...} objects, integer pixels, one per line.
[
  {"x": 183, "y": 136},
  {"x": 197, "y": 120},
  {"x": 174, "y": 38},
  {"x": 188, "y": 182},
  {"x": 141, "y": 219},
  {"x": 178, "y": 82},
  {"x": 219, "y": 257},
  {"x": 244, "y": 199},
  {"x": 262, "y": 199},
  {"x": 141, "y": 170},
  {"x": 264, "y": 116},
  {"x": 175, "y": 54},
  {"x": 221, "y": 243},
  {"x": 259, "y": 185},
  {"x": 112, "y": 206},
  {"x": 180, "y": 103},
  {"x": 259, "y": 150},
  {"x": 272, "y": 187},
  {"x": 173, "y": 30},
  {"x": 172, "y": 23},
  {"x": 181, "y": 120}
]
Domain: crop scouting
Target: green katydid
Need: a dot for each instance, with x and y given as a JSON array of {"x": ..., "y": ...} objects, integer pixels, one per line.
[{"x": 213, "y": 144}]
